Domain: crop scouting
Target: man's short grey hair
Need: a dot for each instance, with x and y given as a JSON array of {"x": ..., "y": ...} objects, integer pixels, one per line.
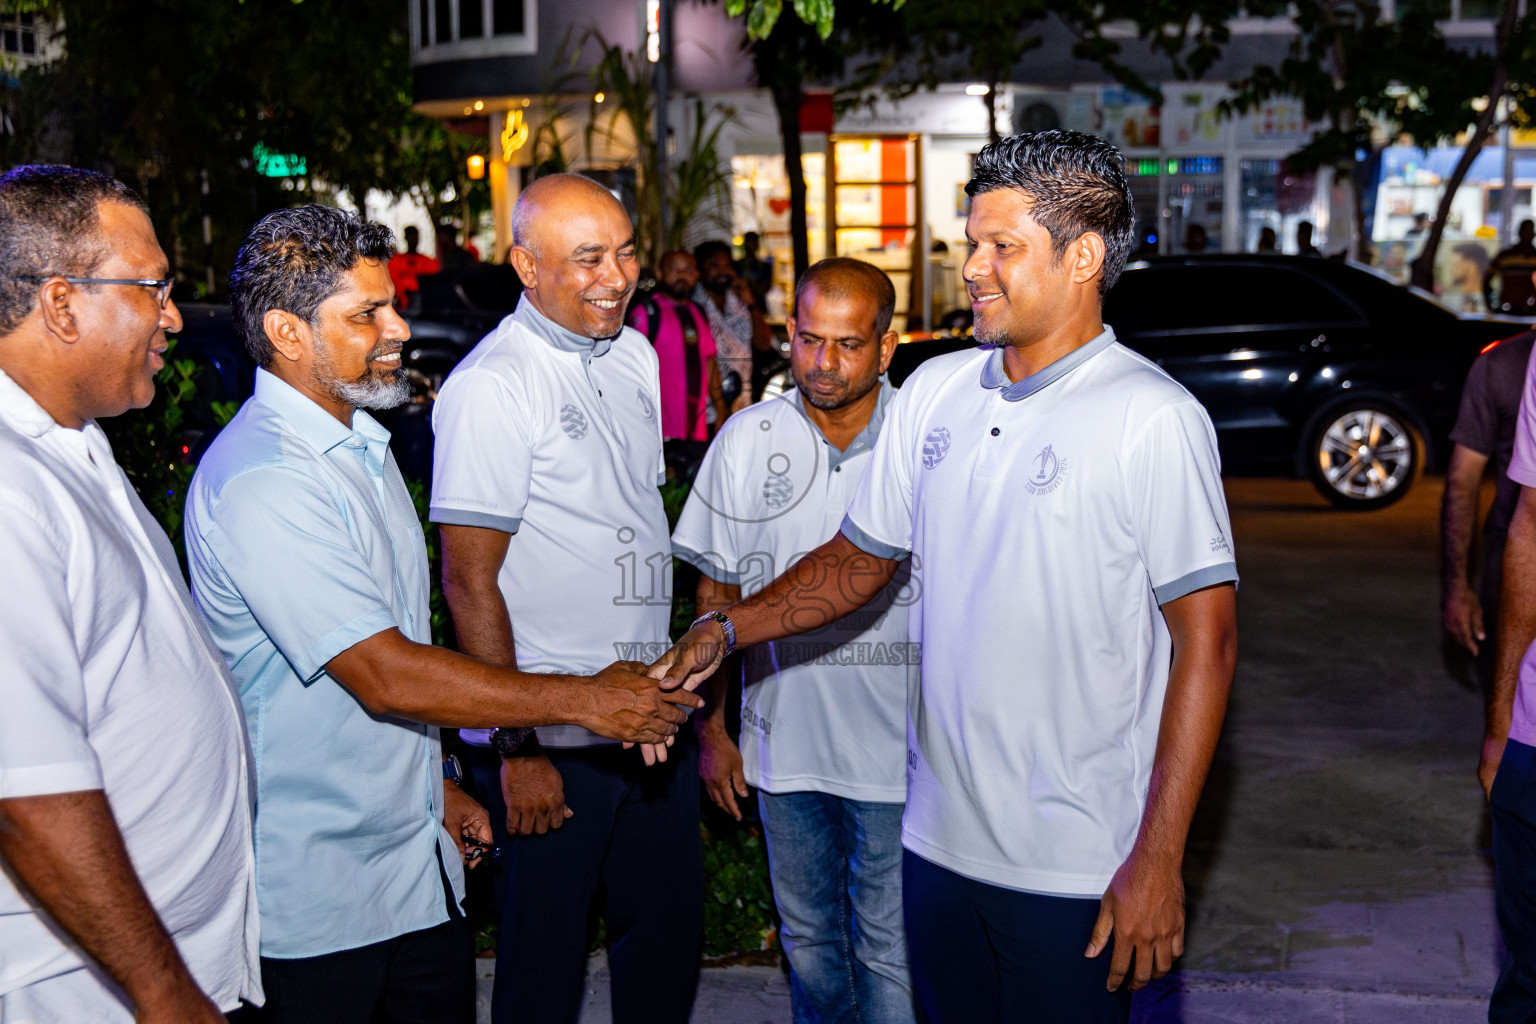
[{"x": 50, "y": 225}]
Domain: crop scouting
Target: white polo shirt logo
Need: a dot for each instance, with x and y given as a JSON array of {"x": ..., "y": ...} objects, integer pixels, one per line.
[
  {"x": 778, "y": 489},
  {"x": 573, "y": 421},
  {"x": 647, "y": 407},
  {"x": 1050, "y": 472},
  {"x": 935, "y": 447}
]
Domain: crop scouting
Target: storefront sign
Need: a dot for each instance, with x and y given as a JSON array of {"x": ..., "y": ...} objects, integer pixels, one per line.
[{"x": 927, "y": 113}]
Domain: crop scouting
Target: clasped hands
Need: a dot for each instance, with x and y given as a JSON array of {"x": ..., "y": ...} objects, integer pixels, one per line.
[{"x": 679, "y": 672}]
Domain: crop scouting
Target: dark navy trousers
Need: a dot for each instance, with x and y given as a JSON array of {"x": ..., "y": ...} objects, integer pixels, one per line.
[
  {"x": 1512, "y": 804},
  {"x": 633, "y": 843},
  {"x": 982, "y": 954}
]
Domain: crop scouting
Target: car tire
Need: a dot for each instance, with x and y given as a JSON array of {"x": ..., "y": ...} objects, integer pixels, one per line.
[{"x": 1363, "y": 454}]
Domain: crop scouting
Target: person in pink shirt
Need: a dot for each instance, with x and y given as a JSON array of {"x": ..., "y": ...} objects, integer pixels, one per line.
[
  {"x": 1508, "y": 766},
  {"x": 692, "y": 405}
]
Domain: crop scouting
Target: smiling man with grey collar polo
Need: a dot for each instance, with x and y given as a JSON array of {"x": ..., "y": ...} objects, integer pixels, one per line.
[{"x": 556, "y": 549}]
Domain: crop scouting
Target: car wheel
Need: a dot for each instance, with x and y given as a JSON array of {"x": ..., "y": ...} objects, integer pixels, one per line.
[{"x": 1364, "y": 455}]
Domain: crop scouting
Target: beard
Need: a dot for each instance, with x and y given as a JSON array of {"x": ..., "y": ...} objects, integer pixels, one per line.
[
  {"x": 990, "y": 335},
  {"x": 372, "y": 391},
  {"x": 848, "y": 394}
]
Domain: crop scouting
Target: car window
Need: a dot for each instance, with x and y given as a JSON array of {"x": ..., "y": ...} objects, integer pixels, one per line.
[{"x": 1161, "y": 300}]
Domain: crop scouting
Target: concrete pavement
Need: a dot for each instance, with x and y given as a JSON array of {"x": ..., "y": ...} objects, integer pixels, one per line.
[{"x": 1338, "y": 867}]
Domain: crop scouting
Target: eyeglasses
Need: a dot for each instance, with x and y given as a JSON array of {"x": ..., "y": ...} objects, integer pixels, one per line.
[{"x": 161, "y": 285}]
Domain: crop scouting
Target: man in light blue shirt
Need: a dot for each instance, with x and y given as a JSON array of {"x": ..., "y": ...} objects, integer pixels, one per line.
[{"x": 309, "y": 564}]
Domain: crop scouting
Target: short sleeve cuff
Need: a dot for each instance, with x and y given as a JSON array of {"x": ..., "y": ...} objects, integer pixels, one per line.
[
  {"x": 343, "y": 637},
  {"x": 709, "y": 565},
  {"x": 869, "y": 545},
  {"x": 1522, "y": 470},
  {"x": 1210, "y": 576},
  {"x": 47, "y": 779},
  {"x": 464, "y": 517}
]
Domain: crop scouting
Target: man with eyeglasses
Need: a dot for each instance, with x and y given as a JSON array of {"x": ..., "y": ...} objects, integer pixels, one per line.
[{"x": 125, "y": 815}]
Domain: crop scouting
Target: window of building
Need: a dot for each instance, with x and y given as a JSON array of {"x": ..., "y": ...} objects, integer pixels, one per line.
[
  {"x": 18, "y": 35},
  {"x": 452, "y": 29}
]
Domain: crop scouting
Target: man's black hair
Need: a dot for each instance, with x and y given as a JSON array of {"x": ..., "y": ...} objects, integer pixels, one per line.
[
  {"x": 1076, "y": 183},
  {"x": 704, "y": 250},
  {"x": 840, "y": 276},
  {"x": 293, "y": 260},
  {"x": 50, "y": 225}
]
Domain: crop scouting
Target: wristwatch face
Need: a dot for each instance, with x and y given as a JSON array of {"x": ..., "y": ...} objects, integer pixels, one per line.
[{"x": 505, "y": 741}]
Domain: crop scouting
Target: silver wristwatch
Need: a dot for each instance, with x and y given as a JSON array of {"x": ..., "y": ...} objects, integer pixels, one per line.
[{"x": 725, "y": 624}]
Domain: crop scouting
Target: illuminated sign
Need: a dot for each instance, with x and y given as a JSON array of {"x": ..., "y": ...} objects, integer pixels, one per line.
[
  {"x": 514, "y": 133},
  {"x": 270, "y": 164}
]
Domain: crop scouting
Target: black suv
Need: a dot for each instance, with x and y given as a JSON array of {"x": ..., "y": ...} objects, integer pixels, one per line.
[{"x": 1308, "y": 367}]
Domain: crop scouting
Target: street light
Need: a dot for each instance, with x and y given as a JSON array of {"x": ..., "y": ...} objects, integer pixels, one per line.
[{"x": 476, "y": 166}]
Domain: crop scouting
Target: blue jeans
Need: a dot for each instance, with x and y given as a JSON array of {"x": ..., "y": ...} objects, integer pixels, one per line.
[{"x": 836, "y": 871}]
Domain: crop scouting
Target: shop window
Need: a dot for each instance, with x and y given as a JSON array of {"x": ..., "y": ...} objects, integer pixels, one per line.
[{"x": 876, "y": 210}]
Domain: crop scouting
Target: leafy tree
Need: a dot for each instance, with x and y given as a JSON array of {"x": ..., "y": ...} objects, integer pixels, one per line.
[
  {"x": 1355, "y": 72},
  {"x": 175, "y": 101}
]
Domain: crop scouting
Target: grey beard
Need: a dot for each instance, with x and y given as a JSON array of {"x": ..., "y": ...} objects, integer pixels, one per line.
[
  {"x": 372, "y": 393},
  {"x": 366, "y": 392},
  {"x": 992, "y": 336}
]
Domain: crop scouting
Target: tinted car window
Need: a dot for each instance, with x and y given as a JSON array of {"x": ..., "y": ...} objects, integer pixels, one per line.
[{"x": 1163, "y": 299}]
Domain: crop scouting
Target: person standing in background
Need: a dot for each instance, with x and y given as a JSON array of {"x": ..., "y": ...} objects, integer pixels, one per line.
[
  {"x": 407, "y": 268},
  {"x": 692, "y": 405},
  {"x": 737, "y": 324}
]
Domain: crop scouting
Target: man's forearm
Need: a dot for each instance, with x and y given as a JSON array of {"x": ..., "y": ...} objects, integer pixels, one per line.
[
  {"x": 481, "y": 622},
  {"x": 710, "y": 596},
  {"x": 1517, "y": 614},
  {"x": 395, "y": 676},
  {"x": 835, "y": 579},
  {"x": 1458, "y": 513},
  {"x": 66, "y": 852},
  {"x": 1204, "y": 628}
]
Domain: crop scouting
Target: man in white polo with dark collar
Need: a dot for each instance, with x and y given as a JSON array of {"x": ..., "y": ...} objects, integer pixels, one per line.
[
  {"x": 556, "y": 555},
  {"x": 824, "y": 716},
  {"x": 1062, "y": 497}
]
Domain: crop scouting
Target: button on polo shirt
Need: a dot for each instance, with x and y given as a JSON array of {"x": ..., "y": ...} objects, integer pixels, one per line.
[
  {"x": 824, "y": 711},
  {"x": 1051, "y": 518},
  {"x": 109, "y": 682},
  {"x": 302, "y": 541},
  {"x": 555, "y": 439}
]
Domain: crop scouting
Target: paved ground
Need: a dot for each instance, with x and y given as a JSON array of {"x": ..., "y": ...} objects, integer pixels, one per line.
[{"x": 1338, "y": 869}]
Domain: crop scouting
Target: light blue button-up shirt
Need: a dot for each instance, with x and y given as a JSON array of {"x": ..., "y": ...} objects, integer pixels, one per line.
[{"x": 302, "y": 541}]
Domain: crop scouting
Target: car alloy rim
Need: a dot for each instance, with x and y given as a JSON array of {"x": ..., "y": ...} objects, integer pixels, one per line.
[{"x": 1365, "y": 454}]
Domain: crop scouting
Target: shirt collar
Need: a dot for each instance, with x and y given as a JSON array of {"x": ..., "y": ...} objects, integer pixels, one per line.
[
  {"x": 21, "y": 411},
  {"x": 558, "y": 337},
  {"x": 995, "y": 377},
  {"x": 866, "y": 438},
  {"x": 316, "y": 426}
]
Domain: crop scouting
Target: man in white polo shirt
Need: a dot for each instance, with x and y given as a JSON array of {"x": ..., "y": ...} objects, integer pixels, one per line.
[
  {"x": 128, "y": 891},
  {"x": 1062, "y": 497},
  {"x": 556, "y": 556},
  {"x": 823, "y": 733}
]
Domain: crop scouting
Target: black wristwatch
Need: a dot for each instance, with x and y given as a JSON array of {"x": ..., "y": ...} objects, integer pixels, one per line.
[{"x": 506, "y": 741}]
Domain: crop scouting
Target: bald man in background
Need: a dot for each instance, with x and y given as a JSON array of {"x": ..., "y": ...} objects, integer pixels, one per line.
[{"x": 556, "y": 554}]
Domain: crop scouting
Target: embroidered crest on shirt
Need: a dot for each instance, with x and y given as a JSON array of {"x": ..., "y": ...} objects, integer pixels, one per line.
[
  {"x": 935, "y": 447},
  {"x": 1050, "y": 471},
  {"x": 573, "y": 421},
  {"x": 778, "y": 489},
  {"x": 647, "y": 407}
]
